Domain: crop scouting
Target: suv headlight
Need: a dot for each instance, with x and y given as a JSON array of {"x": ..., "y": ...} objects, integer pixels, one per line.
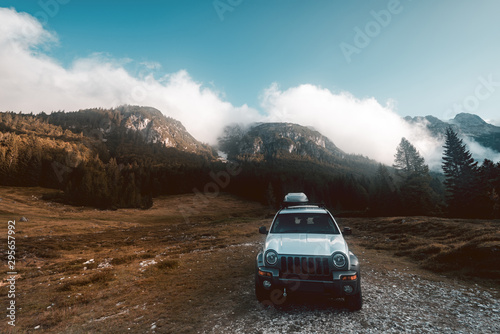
[
  {"x": 339, "y": 260},
  {"x": 271, "y": 257}
]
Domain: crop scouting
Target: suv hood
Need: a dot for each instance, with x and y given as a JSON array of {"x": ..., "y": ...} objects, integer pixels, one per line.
[{"x": 306, "y": 244}]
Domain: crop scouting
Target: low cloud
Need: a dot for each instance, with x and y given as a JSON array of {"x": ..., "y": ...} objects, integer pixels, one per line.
[
  {"x": 31, "y": 81},
  {"x": 479, "y": 152},
  {"x": 359, "y": 126}
]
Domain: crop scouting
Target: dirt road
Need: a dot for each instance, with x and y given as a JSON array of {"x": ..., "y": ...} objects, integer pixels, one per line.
[{"x": 398, "y": 298}]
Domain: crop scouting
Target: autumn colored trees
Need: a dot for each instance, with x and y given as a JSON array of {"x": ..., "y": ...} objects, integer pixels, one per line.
[{"x": 122, "y": 172}]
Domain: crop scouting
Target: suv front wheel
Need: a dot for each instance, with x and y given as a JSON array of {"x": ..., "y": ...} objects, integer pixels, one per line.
[
  {"x": 261, "y": 293},
  {"x": 274, "y": 297},
  {"x": 355, "y": 302}
]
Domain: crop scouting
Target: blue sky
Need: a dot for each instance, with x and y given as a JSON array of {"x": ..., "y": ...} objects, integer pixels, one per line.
[{"x": 426, "y": 57}]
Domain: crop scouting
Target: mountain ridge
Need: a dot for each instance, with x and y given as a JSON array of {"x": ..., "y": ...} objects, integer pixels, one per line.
[
  {"x": 267, "y": 142},
  {"x": 466, "y": 125},
  {"x": 150, "y": 123},
  {"x": 269, "y": 139},
  {"x": 257, "y": 142}
]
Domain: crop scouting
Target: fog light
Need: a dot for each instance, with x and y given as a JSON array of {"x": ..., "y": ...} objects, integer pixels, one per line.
[
  {"x": 266, "y": 284},
  {"x": 347, "y": 289}
]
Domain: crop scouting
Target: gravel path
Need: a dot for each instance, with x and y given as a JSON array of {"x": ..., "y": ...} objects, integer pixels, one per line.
[{"x": 397, "y": 301}]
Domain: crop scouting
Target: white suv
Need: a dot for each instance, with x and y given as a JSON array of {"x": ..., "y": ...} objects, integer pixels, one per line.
[{"x": 306, "y": 252}]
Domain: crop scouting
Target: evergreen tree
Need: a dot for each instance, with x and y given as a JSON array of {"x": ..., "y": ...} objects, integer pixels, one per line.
[
  {"x": 416, "y": 195},
  {"x": 488, "y": 190},
  {"x": 384, "y": 198},
  {"x": 408, "y": 161},
  {"x": 460, "y": 172}
]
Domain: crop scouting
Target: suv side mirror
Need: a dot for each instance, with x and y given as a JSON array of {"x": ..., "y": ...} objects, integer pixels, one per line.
[
  {"x": 347, "y": 231},
  {"x": 262, "y": 230}
]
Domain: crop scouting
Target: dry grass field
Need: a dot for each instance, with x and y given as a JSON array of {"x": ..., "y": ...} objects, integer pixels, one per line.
[
  {"x": 82, "y": 270},
  {"x": 465, "y": 248}
]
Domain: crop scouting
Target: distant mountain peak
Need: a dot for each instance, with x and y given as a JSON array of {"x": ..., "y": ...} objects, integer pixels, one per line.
[
  {"x": 268, "y": 140},
  {"x": 466, "y": 125},
  {"x": 469, "y": 120},
  {"x": 150, "y": 123}
]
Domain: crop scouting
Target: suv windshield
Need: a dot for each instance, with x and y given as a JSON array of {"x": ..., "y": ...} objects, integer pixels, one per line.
[{"x": 304, "y": 223}]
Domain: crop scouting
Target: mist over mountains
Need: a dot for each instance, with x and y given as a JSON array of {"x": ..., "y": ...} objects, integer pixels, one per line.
[
  {"x": 469, "y": 126},
  {"x": 265, "y": 141},
  {"x": 481, "y": 138},
  {"x": 126, "y": 156},
  {"x": 262, "y": 141}
]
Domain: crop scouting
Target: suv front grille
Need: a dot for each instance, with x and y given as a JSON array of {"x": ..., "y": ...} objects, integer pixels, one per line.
[{"x": 305, "y": 267}]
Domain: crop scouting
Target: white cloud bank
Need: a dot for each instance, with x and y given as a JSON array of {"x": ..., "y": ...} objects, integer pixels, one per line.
[
  {"x": 360, "y": 126},
  {"x": 30, "y": 81}
]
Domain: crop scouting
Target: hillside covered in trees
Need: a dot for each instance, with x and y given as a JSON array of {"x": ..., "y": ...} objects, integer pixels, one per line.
[
  {"x": 98, "y": 158},
  {"x": 125, "y": 157}
]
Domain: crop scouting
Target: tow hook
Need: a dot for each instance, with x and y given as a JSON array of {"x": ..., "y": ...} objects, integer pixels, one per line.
[{"x": 284, "y": 292}]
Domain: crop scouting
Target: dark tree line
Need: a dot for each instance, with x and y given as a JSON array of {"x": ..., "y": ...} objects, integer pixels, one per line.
[
  {"x": 269, "y": 181},
  {"x": 108, "y": 185},
  {"x": 408, "y": 188},
  {"x": 472, "y": 190},
  {"x": 125, "y": 171},
  {"x": 469, "y": 190}
]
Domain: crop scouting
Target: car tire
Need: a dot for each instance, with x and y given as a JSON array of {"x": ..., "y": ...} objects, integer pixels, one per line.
[
  {"x": 261, "y": 293},
  {"x": 355, "y": 302}
]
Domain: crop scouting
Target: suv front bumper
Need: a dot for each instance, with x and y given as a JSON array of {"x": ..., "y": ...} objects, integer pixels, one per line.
[{"x": 340, "y": 283}]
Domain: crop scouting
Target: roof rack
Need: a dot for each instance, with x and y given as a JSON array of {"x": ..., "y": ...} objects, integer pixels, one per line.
[
  {"x": 298, "y": 200},
  {"x": 288, "y": 205}
]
